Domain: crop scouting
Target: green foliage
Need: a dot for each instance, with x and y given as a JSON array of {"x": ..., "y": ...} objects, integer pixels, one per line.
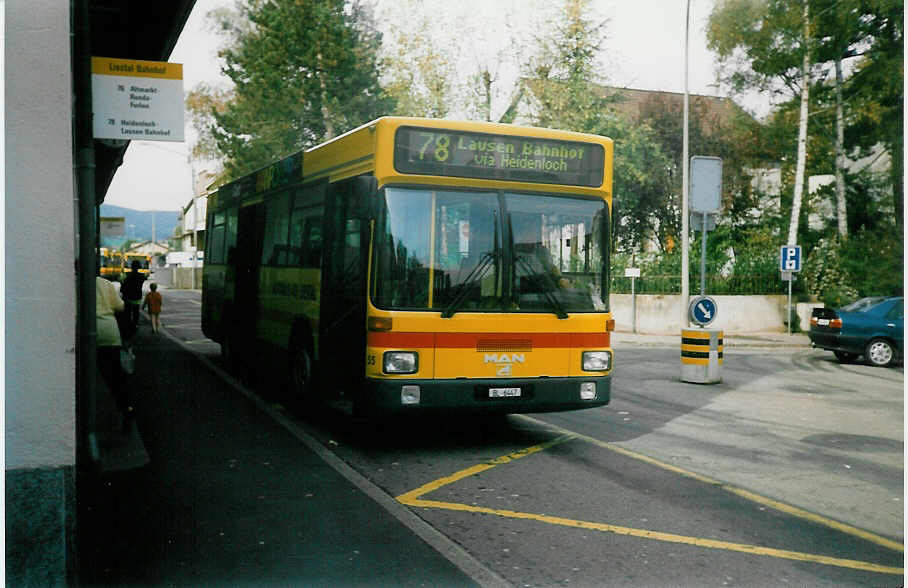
[
  {"x": 825, "y": 274},
  {"x": 869, "y": 263},
  {"x": 419, "y": 71},
  {"x": 303, "y": 71},
  {"x": 643, "y": 203},
  {"x": 563, "y": 83},
  {"x": 874, "y": 263},
  {"x": 759, "y": 43}
]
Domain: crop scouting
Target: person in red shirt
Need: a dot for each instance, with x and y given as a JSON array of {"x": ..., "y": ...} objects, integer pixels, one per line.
[{"x": 153, "y": 302}]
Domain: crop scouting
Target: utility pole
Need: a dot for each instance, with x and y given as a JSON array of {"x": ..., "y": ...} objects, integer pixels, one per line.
[{"x": 685, "y": 189}]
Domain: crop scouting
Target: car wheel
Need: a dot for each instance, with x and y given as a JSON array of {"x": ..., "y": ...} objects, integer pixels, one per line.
[
  {"x": 845, "y": 357},
  {"x": 879, "y": 352}
]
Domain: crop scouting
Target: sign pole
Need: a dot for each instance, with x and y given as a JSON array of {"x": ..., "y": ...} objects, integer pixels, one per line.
[
  {"x": 634, "y": 304},
  {"x": 789, "y": 306},
  {"x": 703, "y": 259},
  {"x": 789, "y": 263}
]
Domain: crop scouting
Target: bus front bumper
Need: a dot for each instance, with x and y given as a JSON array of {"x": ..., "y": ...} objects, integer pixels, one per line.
[{"x": 503, "y": 396}]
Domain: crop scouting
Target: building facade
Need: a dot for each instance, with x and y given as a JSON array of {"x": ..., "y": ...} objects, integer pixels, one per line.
[{"x": 55, "y": 175}]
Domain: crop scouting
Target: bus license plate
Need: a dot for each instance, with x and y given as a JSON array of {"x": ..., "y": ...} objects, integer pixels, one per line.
[{"x": 504, "y": 392}]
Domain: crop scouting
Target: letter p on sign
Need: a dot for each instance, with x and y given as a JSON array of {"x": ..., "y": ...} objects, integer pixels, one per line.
[{"x": 790, "y": 258}]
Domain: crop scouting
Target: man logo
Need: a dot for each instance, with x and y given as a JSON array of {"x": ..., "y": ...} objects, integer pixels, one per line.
[{"x": 504, "y": 361}]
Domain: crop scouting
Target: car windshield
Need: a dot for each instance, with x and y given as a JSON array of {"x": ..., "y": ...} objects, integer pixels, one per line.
[
  {"x": 864, "y": 304},
  {"x": 452, "y": 251}
]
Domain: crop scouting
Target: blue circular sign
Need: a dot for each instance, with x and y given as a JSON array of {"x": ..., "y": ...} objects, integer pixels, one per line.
[{"x": 703, "y": 310}]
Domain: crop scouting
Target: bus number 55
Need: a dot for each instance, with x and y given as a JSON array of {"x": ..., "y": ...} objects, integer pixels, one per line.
[{"x": 442, "y": 142}]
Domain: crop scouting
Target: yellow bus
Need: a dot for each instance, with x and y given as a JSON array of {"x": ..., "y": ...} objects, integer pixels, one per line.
[
  {"x": 418, "y": 264},
  {"x": 144, "y": 262},
  {"x": 111, "y": 263}
]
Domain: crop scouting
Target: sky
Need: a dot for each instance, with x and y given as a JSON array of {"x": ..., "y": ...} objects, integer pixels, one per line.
[{"x": 644, "y": 49}]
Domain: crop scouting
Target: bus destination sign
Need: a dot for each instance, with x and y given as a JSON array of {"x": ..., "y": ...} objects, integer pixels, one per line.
[{"x": 443, "y": 152}]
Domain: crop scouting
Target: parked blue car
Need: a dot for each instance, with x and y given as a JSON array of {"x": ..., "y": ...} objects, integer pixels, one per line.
[{"x": 872, "y": 327}]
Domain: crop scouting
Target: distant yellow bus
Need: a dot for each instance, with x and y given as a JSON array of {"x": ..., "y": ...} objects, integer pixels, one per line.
[
  {"x": 111, "y": 263},
  {"x": 143, "y": 259},
  {"x": 419, "y": 264}
]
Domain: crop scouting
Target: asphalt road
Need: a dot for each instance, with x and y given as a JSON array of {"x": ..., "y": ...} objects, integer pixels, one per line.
[{"x": 788, "y": 472}]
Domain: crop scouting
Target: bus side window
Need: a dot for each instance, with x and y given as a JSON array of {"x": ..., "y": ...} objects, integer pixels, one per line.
[
  {"x": 216, "y": 243},
  {"x": 230, "y": 236},
  {"x": 312, "y": 246},
  {"x": 277, "y": 227},
  {"x": 305, "y": 226}
]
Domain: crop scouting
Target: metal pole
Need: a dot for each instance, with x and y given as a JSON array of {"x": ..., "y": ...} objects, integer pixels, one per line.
[
  {"x": 685, "y": 189},
  {"x": 634, "y": 303},
  {"x": 87, "y": 263},
  {"x": 195, "y": 237},
  {"x": 788, "y": 310},
  {"x": 703, "y": 258}
]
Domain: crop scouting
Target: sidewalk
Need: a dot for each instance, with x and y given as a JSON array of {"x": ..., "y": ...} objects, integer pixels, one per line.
[
  {"x": 209, "y": 489},
  {"x": 761, "y": 340}
]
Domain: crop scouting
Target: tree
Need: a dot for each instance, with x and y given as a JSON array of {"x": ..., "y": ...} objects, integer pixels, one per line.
[
  {"x": 876, "y": 89},
  {"x": 564, "y": 89},
  {"x": 303, "y": 71},
  {"x": 716, "y": 128},
  {"x": 563, "y": 82},
  {"x": 767, "y": 45},
  {"x": 420, "y": 73},
  {"x": 448, "y": 65}
]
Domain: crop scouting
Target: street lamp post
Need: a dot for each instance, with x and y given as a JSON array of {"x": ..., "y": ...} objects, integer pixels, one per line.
[{"x": 685, "y": 188}]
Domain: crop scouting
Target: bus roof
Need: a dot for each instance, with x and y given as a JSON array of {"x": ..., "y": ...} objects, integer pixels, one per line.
[{"x": 355, "y": 152}]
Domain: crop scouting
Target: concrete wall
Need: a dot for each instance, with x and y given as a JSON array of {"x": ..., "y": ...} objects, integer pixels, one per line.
[
  {"x": 661, "y": 314},
  {"x": 40, "y": 292},
  {"x": 179, "y": 278}
]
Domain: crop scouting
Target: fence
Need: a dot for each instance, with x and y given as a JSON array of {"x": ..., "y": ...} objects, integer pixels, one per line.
[{"x": 735, "y": 284}]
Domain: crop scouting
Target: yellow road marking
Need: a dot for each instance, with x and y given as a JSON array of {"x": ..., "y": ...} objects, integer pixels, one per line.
[
  {"x": 751, "y": 496},
  {"x": 658, "y": 536},
  {"x": 471, "y": 471},
  {"x": 413, "y": 499}
]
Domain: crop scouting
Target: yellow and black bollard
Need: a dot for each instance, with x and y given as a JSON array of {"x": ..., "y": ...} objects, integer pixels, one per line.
[{"x": 701, "y": 356}]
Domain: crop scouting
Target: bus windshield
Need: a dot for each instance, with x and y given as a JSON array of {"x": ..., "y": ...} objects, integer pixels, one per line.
[{"x": 454, "y": 251}]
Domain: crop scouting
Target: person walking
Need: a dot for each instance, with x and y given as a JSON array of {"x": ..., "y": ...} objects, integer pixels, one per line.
[
  {"x": 109, "y": 344},
  {"x": 132, "y": 295},
  {"x": 153, "y": 303}
]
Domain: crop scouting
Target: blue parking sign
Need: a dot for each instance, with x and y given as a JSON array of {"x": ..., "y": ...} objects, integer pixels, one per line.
[{"x": 790, "y": 258}]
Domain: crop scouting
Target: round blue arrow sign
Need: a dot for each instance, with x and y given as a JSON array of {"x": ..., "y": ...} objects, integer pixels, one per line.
[{"x": 703, "y": 310}]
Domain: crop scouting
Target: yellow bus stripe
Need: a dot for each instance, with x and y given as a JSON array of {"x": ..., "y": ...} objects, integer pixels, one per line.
[
  {"x": 660, "y": 536},
  {"x": 751, "y": 496}
]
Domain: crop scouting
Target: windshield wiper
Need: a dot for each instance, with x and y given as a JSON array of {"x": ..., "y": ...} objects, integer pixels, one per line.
[
  {"x": 547, "y": 289},
  {"x": 485, "y": 262}
]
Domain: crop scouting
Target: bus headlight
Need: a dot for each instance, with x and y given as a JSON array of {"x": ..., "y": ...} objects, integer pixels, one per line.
[
  {"x": 597, "y": 361},
  {"x": 400, "y": 362}
]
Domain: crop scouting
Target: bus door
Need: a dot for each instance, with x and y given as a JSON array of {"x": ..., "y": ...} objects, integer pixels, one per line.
[
  {"x": 342, "y": 337},
  {"x": 247, "y": 260}
]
